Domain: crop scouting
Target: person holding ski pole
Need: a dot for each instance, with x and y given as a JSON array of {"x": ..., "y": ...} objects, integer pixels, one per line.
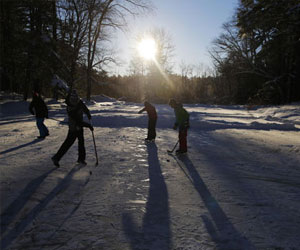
[
  {"x": 75, "y": 110},
  {"x": 182, "y": 122},
  {"x": 38, "y": 108},
  {"x": 152, "y": 118}
]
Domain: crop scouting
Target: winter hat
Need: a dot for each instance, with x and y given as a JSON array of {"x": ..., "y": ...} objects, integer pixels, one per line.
[
  {"x": 74, "y": 99},
  {"x": 172, "y": 103}
]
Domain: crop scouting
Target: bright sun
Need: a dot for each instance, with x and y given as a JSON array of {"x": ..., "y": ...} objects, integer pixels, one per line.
[{"x": 147, "y": 48}]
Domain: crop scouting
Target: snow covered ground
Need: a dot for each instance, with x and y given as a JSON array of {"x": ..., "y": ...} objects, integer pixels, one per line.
[{"x": 237, "y": 188}]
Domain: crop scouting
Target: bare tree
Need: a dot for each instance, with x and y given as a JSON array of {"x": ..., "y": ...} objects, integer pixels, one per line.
[
  {"x": 136, "y": 66},
  {"x": 186, "y": 72},
  {"x": 165, "y": 49},
  {"x": 73, "y": 21},
  {"x": 104, "y": 15},
  {"x": 155, "y": 72}
]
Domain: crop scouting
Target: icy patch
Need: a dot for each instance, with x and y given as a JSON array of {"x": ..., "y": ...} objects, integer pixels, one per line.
[{"x": 137, "y": 201}]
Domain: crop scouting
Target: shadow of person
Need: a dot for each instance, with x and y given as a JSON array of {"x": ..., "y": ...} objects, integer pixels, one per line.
[
  {"x": 218, "y": 225},
  {"x": 8, "y": 215},
  {"x": 20, "y": 146},
  {"x": 20, "y": 226},
  {"x": 155, "y": 233}
]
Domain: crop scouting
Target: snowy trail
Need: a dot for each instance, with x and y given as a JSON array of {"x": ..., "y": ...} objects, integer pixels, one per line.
[{"x": 237, "y": 188}]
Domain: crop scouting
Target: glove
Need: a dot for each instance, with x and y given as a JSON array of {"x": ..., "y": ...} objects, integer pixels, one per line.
[
  {"x": 87, "y": 125},
  {"x": 91, "y": 128}
]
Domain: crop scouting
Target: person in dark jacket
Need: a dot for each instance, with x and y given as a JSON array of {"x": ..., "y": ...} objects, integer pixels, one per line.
[
  {"x": 182, "y": 122},
  {"x": 75, "y": 110},
  {"x": 38, "y": 108},
  {"x": 152, "y": 118}
]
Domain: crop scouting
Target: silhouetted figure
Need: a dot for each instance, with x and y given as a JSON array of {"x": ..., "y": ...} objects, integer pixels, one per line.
[
  {"x": 38, "y": 108},
  {"x": 152, "y": 118},
  {"x": 182, "y": 122},
  {"x": 75, "y": 110}
]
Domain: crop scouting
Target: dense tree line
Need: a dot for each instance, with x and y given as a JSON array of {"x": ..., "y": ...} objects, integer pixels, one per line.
[
  {"x": 258, "y": 54},
  {"x": 70, "y": 38},
  {"x": 157, "y": 89},
  {"x": 256, "y": 58}
]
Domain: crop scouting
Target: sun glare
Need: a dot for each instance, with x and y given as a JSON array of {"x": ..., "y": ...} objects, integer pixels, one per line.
[{"x": 147, "y": 48}]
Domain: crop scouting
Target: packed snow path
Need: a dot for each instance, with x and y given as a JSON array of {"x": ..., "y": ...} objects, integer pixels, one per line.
[{"x": 237, "y": 188}]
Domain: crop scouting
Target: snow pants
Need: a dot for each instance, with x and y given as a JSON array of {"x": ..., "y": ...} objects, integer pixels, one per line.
[
  {"x": 183, "y": 140},
  {"x": 71, "y": 137},
  {"x": 151, "y": 129},
  {"x": 41, "y": 126}
]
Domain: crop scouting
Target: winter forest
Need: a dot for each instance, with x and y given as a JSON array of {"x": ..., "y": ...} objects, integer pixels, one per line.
[
  {"x": 165, "y": 155},
  {"x": 256, "y": 58}
]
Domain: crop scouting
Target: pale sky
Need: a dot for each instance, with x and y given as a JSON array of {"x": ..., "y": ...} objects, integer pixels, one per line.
[{"x": 192, "y": 25}]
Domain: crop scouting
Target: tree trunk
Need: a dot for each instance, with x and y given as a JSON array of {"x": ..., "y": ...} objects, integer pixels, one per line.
[
  {"x": 28, "y": 76},
  {"x": 89, "y": 85},
  {"x": 54, "y": 47}
]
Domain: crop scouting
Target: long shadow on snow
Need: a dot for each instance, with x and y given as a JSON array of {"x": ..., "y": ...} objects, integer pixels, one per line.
[
  {"x": 26, "y": 118},
  {"x": 167, "y": 121},
  {"x": 31, "y": 215},
  {"x": 14, "y": 108},
  {"x": 223, "y": 162},
  {"x": 20, "y": 146},
  {"x": 120, "y": 121},
  {"x": 15, "y": 207},
  {"x": 254, "y": 168},
  {"x": 53, "y": 115},
  {"x": 70, "y": 214},
  {"x": 219, "y": 115},
  {"x": 155, "y": 233},
  {"x": 221, "y": 230}
]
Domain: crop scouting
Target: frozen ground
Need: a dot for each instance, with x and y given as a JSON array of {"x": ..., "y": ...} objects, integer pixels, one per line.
[{"x": 237, "y": 188}]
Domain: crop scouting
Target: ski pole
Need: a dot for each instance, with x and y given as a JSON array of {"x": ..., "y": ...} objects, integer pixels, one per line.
[
  {"x": 94, "y": 145},
  {"x": 171, "y": 151}
]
